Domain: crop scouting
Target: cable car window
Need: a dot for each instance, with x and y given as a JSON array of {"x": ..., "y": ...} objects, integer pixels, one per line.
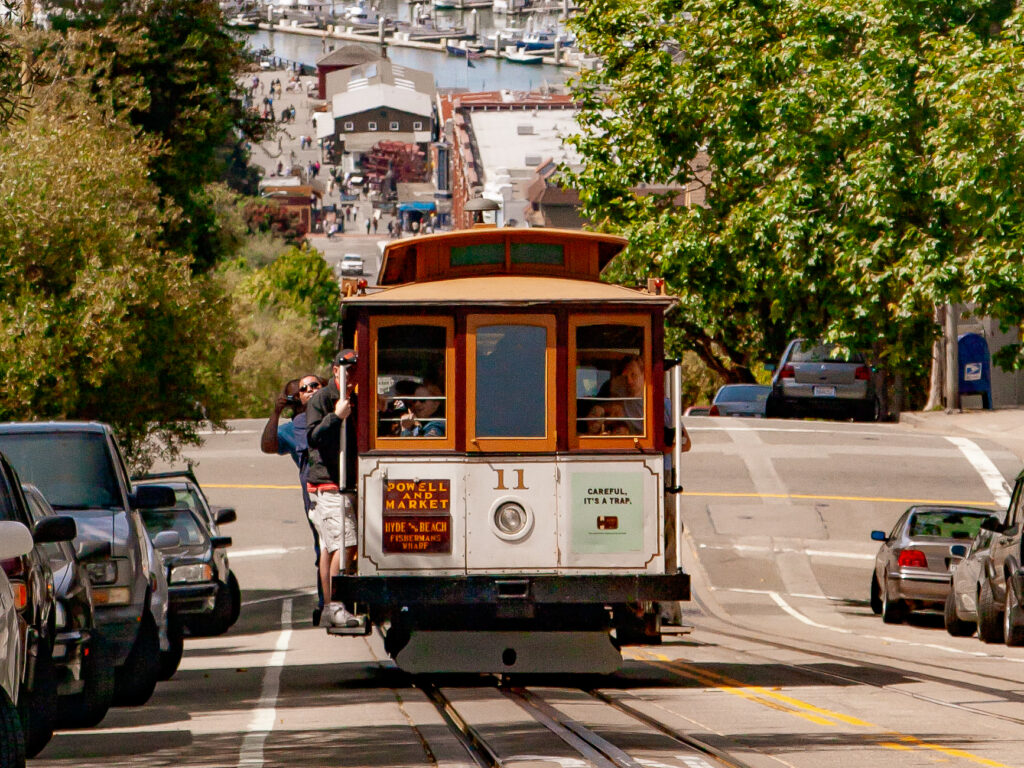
[
  {"x": 537, "y": 253},
  {"x": 482, "y": 253},
  {"x": 411, "y": 380},
  {"x": 610, "y": 387},
  {"x": 511, "y": 381}
]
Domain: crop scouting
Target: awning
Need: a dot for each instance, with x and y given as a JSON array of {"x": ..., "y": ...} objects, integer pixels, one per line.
[{"x": 417, "y": 206}]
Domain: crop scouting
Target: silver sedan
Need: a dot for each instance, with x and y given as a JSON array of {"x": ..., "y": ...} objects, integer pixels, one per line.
[{"x": 912, "y": 567}]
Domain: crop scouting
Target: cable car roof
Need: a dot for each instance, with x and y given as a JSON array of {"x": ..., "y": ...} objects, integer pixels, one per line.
[
  {"x": 516, "y": 290},
  {"x": 471, "y": 251}
]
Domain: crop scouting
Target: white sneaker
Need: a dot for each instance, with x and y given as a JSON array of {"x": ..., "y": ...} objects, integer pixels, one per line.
[{"x": 340, "y": 617}]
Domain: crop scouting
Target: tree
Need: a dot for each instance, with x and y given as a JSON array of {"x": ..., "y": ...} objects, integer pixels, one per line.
[
  {"x": 99, "y": 322},
  {"x": 829, "y": 133},
  {"x": 174, "y": 64}
]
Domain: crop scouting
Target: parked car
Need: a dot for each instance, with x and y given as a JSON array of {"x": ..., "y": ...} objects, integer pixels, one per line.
[
  {"x": 1001, "y": 583},
  {"x": 79, "y": 469},
  {"x": 204, "y": 591},
  {"x": 15, "y": 542},
  {"x": 32, "y": 581},
  {"x": 352, "y": 265},
  {"x": 85, "y": 681},
  {"x": 960, "y": 614},
  {"x": 741, "y": 400},
  {"x": 817, "y": 379},
  {"x": 912, "y": 567},
  {"x": 700, "y": 410}
]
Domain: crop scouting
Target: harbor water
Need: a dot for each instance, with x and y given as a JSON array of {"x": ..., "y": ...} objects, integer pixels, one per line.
[{"x": 486, "y": 73}]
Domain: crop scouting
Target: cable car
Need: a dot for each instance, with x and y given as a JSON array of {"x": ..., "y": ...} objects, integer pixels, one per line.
[{"x": 512, "y": 456}]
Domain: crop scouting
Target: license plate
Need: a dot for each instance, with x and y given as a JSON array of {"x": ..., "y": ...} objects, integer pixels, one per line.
[{"x": 824, "y": 391}]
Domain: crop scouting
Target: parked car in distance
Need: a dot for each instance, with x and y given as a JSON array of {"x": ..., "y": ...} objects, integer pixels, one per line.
[
  {"x": 912, "y": 567},
  {"x": 15, "y": 542},
  {"x": 1001, "y": 585},
  {"x": 700, "y": 410},
  {"x": 79, "y": 468},
  {"x": 352, "y": 265},
  {"x": 960, "y": 614},
  {"x": 741, "y": 400},
  {"x": 204, "y": 591},
  {"x": 85, "y": 681},
  {"x": 818, "y": 379},
  {"x": 32, "y": 580}
]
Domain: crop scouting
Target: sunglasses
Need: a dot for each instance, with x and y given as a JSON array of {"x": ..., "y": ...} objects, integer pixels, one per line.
[{"x": 313, "y": 386}]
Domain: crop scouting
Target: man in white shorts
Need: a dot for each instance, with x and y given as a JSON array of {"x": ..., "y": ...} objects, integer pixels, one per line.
[{"x": 334, "y": 514}]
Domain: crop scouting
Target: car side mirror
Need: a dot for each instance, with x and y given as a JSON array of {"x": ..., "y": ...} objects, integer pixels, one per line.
[
  {"x": 958, "y": 550},
  {"x": 167, "y": 540},
  {"x": 222, "y": 515},
  {"x": 88, "y": 550},
  {"x": 152, "y": 497},
  {"x": 53, "y": 529},
  {"x": 219, "y": 542},
  {"x": 15, "y": 539},
  {"x": 992, "y": 524},
  {"x": 878, "y": 536}
]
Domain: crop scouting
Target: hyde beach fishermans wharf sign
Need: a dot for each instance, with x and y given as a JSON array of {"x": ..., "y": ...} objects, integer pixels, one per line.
[{"x": 417, "y": 517}]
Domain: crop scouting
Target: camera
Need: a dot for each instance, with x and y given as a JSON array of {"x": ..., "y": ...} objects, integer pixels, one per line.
[{"x": 292, "y": 399}]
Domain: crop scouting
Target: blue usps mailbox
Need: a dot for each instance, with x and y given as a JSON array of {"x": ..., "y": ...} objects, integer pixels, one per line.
[{"x": 975, "y": 367}]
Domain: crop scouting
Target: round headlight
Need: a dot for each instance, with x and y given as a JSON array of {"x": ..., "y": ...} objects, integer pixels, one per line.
[{"x": 510, "y": 518}]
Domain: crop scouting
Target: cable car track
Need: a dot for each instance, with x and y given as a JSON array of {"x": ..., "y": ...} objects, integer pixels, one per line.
[{"x": 590, "y": 746}]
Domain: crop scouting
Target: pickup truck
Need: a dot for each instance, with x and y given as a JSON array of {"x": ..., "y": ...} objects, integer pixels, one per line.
[{"x": 81, "y": 472}]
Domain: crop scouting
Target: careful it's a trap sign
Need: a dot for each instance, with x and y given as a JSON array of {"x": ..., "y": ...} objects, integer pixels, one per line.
[{"x": 417, "y": 516}]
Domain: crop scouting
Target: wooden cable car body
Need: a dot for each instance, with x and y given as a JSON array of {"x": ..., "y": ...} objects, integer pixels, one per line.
[{"x": 518, "y": 526}]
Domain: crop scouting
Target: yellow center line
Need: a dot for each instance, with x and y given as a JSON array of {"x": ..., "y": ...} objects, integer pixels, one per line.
[
  {"x": 887, "y": 499},
  {"x": 803, "y": 709}
]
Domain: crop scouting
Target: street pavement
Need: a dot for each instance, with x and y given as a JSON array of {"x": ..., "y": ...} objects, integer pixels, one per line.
[
  {"x": 1004, "y": 425},
  {"x": 285, "y": 147}
]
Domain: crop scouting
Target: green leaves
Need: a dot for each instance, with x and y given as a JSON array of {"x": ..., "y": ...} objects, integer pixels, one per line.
[{"x": 863, "y": 164}]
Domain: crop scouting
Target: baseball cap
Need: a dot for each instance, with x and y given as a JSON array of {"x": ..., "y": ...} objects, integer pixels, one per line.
[{"x": 346, "y": 357}]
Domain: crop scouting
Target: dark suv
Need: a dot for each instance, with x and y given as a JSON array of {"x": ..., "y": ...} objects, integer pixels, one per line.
[
  {"x": 1001, "y": 585},
  {"x": 79, "y": 469},
  {"x": 32, "y": 583}
]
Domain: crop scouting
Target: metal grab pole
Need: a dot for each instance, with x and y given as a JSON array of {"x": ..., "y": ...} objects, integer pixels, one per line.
[
  {"x": 677, "y": 456},
  {"x": 342, "y": 479}
]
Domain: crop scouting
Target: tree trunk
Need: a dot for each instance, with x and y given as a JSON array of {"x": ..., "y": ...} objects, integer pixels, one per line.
[{"x": 938, "y": 364}]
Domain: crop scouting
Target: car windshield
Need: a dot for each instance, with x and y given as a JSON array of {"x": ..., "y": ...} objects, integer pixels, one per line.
[
  {"x": 72, "y": 469},
  {"x": 179, "y": 520},
  {"x": 947, "y": 524},
  {"x": 809, "y": 352},
  {"x": 741, "y": 394}
]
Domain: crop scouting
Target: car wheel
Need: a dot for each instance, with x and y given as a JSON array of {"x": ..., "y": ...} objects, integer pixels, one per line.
[
  {"x": 236, "y": 597},
  {"x": 876, "y": 595},
  {"x": 38, "y": 707},
  {"x": 990, "y": 624},
  {"x": 893, "y": 611},
  {"x": 135, "y": 680},
  {"x": 88, "y": 707},
  {"x": 956, "y": 626},
  {"x": 1013, "y": 618},
  {"x": 171, "y": 658},
  {"x": 866, "y": 411},
  {"x": 773, "y": 408},
  {"x": 12, "y": 738},
  {"x": 219, "y": 620}
]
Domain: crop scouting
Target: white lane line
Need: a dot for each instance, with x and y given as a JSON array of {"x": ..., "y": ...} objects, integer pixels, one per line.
[
  {"x": 262, "y": 721},
  {"x": 265, "y": 551},
  {"x": 293, "y": 593},
  {"x": 809, "y": 552},
  {"x": 992, "y": 477},
  {"x": 779, "y": 601}
]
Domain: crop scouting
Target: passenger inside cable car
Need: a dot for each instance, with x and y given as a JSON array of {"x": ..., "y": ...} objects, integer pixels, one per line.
[
  {"x": 425, "y": 417},
  {"x": 610, "y": 380}
]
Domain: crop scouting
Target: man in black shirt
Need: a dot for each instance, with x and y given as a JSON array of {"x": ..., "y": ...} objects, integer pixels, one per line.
[{"x": 328, "y": 418}]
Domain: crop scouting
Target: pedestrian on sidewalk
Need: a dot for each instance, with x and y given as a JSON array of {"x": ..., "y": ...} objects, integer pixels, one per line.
[{"x": 367, "y": 225}]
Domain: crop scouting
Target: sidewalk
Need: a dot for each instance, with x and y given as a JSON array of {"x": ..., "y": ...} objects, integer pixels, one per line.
[
  {"x": 1004, "y": 426},
  {"x": 286, "y": 148}
]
